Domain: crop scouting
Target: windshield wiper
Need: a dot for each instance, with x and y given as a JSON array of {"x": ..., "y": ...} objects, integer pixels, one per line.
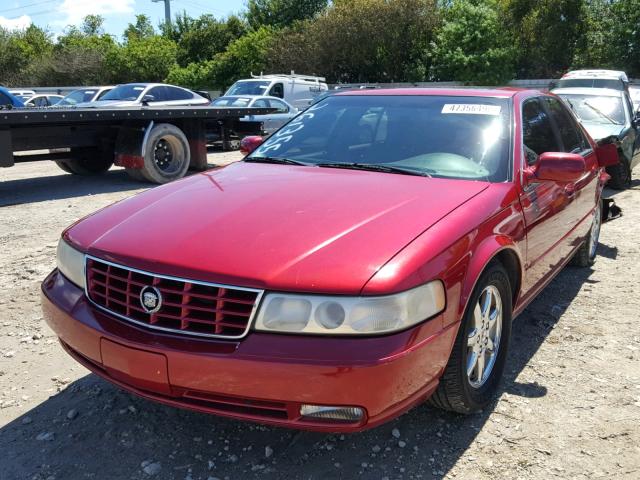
[
  {"x": 601, "y": 113},
  {"x": 284, "y": 161},
  {"x": 373, "y": 167}
]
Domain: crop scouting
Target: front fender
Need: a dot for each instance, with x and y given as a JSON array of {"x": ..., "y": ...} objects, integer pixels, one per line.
[{"x": 499, "y": 247}]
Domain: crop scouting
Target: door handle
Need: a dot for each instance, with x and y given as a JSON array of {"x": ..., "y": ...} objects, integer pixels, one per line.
[{"x": 570, "y": 190}]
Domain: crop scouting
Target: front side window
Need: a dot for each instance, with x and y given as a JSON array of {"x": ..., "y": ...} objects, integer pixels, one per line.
[
  {"x": 440, "y": 136},
  {"x": 277, "y": 90},
  {"x": 538, "y": 134},
  {"x": 572, "y": 139}
]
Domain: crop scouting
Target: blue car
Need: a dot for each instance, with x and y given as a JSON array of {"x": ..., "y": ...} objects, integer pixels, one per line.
[{"x": 6, "y": 98}]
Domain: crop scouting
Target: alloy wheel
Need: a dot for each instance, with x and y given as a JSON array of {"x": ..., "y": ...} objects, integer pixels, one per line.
[{"x": 483, "y": 340}]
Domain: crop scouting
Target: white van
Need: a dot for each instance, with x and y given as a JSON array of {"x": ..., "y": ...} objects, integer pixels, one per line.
[{"x": 297, "y": 90}]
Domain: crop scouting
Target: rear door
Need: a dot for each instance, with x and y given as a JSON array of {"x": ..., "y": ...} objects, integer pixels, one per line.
[{"x": 546, "y": 204}]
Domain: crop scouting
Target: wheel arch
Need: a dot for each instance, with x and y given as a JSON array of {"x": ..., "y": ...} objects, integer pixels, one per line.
[{"x": 501, "y": 249}]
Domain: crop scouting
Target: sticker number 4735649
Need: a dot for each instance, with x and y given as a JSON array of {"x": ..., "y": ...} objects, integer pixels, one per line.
[{"x": 473, "y": 109}]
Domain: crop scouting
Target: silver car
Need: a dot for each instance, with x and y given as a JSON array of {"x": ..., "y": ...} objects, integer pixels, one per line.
[
  {"x": 152, "y": 94},
  {"x": 270, "y": 122}
]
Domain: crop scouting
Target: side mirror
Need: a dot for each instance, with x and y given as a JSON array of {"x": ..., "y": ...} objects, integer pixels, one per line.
[
  {"x": 560, "y": 167},
  {"x": 607, "y": 155},
  {"x": 148, "y": 98},
  {"x": 250, "y": 143}
]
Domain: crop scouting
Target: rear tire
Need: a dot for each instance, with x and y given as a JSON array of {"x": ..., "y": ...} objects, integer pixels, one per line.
[
  {"x": 167, "y": 154},
  {"x": 467, "y": 386},
  {"x": 620, "y": 174},
  {"x": 86, "y": 161},
  {"x": 587, "y": 253}
]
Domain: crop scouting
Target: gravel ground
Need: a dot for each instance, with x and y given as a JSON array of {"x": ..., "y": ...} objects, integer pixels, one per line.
[{"x": 569, "y": 406}]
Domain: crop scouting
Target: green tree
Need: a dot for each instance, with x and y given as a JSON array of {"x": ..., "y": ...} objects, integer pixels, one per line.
[
  {"x": 206, "y": 37},
  {"x": 546, "y": 33},
  {"x": 625, "y": 38},
  {"x": 141, "y": 29},
  {"x": 361, "y": 41},
  {"x": 92, "y": 25},
  {"x": 282, "y": 13},
  {"x": 143, "y": 60},
  {"x": 471, "y": 46}
]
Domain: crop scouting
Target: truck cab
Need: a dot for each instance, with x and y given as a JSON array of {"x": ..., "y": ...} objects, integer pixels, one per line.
[{"x": 297, "y": 90}]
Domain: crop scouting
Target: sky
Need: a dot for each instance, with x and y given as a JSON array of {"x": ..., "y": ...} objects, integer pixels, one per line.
[{"x": 57, "y": 14}]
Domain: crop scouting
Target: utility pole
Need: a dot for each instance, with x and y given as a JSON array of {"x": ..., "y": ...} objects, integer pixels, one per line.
[{"x": 167, "y": 10}]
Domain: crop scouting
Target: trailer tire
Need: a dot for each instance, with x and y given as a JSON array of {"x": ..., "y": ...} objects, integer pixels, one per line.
[
  {"x": 136, "y": 174},
  {"x": 167, "y": 155},
  {"x": 63, "y": 166},
  {"x": 86, "y": 161}
]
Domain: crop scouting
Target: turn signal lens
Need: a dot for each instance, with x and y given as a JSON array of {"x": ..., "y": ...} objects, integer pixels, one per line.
[{"x": 343, "y": 414}]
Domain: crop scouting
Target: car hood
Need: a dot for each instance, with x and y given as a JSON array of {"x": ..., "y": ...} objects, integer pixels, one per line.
[
  {"x": 278, "y": 227},
  {"x": 602, "y": 130}
]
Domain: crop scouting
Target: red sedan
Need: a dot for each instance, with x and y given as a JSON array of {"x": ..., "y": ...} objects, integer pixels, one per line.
[{"x": 366, "y": 257}]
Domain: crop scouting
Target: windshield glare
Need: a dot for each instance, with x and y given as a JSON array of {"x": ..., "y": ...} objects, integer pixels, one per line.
[
  {"x": 597, "y": 109},
  {"x": 441, "y": 136},
  {"x": 251, "y": 87},
  {"x": 124, "y": 92}
]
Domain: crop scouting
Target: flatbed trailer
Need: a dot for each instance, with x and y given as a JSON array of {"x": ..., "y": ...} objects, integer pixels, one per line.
[{"x": 156, "y": 144}]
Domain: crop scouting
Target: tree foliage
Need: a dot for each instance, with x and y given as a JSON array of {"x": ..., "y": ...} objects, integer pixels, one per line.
[
  {"x": 472, "y": 47},
  {"x": 282, "y": 13},
  {"x": 474, "y": 41}
]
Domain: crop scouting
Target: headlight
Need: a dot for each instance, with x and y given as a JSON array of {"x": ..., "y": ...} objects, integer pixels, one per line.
[
  {"x": 319, "y": 314},
  {"x": 70, "y": 263}
]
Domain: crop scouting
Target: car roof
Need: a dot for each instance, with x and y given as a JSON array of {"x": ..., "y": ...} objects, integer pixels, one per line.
[
  {"x": 594, "y": 92},
  {"x": 597, "y": 73},
  {"x": 505, "y": 92}
]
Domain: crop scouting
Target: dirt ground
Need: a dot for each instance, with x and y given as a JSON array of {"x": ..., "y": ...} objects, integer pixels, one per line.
[{"x": 569, "y": 406}]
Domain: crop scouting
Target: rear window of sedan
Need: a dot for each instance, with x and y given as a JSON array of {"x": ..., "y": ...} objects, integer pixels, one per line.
[{"x": 440, "y": 136}]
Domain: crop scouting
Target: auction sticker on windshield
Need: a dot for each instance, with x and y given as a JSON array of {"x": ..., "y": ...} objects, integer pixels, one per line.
[{"x": 473, "y": 109}]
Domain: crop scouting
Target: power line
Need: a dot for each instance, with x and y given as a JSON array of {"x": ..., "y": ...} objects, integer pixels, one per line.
[{"x": 27, "y": 6}]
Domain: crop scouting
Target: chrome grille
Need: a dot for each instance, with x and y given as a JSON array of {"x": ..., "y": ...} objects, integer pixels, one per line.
[{"x": 186, "y": 306}]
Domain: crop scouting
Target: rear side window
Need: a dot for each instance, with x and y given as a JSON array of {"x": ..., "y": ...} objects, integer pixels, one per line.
[
  {"x": 174, "y": 93},
  {"x": 572, "y": 139},
  {"x": 538, "y": 132},
  {"x": 281, "y": 107}
]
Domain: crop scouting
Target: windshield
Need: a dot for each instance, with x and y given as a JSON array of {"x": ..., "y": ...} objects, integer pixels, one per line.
[
  {"x": 231, "y": 102},
  {"x": 125, "y": 92},
  {"x": 597, "y": 109},
  {"x": 249, "y": 87},
  {"x": 439, "y": 136},
  {"x": 590, "y": 83},
  {"x": 77, "y": 96}
]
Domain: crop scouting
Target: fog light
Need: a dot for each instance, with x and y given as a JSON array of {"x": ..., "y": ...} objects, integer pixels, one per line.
[{"x": 344, "y": 414}]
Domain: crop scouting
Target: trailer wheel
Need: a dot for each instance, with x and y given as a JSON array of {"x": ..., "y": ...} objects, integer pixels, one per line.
[
  {"x": 86, "y": 161},
  {"x": 167, "y": 154}
]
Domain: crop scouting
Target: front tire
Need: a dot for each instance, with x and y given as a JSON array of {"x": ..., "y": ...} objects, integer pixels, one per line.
[
  {"x": 620, "y": 174},
  {"x": 473, "y": 373}
]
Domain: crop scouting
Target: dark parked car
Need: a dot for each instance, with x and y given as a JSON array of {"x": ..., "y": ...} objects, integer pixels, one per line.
[{"x": 608, "y": 115}]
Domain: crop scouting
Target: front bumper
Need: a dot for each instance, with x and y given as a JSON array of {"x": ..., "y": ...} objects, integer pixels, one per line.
[{"x": 264, "y": 377}]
